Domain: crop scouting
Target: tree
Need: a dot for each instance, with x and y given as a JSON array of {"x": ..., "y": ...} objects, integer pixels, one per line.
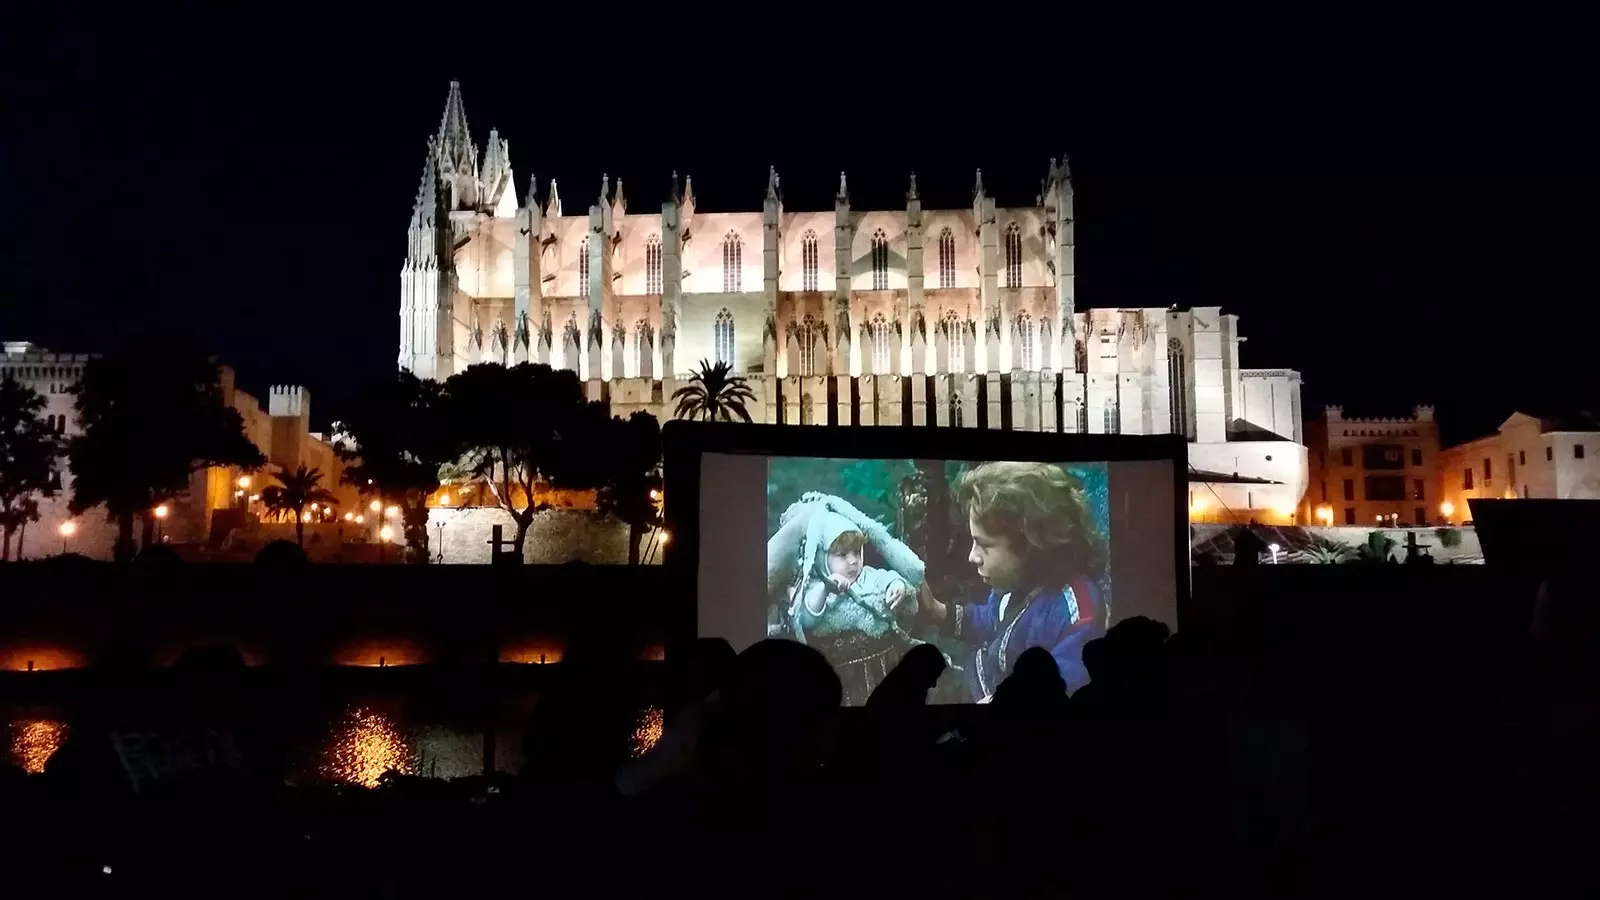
[
  {"x": 714, "y": 392},
  {"x": 628, "y": 454},
  {"x": 395, "y": 442},
  {"x": 296, "y": 491},
  {"x": 28, "y": 452},
  {"x": 152, "y": 415},
  {"x": 522, "y": 428}
]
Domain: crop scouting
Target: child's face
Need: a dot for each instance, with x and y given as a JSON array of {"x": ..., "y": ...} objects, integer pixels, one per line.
[
  {"x": 1000, "y": 566},
  {"x": 845, "y": 567}
]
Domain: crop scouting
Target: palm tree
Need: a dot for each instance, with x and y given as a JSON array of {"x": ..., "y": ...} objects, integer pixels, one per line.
[
  {"x": 299, "y": 489},
  {"x": 712, "y": 393}
]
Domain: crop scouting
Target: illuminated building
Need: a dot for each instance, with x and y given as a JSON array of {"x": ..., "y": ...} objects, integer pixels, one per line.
[
  {"x": 1536, "y": 457},
  {"x": 947, "y": 317},
  {"x": 1372, "y": 469}
]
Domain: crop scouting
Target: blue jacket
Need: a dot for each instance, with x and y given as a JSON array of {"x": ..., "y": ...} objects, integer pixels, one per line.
[{"x": 1061, "y": 620}]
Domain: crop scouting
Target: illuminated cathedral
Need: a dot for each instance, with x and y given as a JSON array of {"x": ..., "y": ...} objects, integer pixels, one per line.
[{"x": 918, "y": 317}]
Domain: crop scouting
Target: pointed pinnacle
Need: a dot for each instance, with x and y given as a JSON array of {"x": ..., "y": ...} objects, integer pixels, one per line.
[
  {"x": 676, "y": 196},
  {"x": 911, "y": 192},
  {"x": 844, "y": 190},
  {"x": 532, "y": 201},
  {"x": 977, "y": 189}
]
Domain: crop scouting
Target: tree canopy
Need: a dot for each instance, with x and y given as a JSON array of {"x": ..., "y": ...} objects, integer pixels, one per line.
[
  {"x": 152, "y": 414},
  {"x": 28, "y": 455},
  {"x": 395, "y": 441},
  {"x": 714, "y": 393}
]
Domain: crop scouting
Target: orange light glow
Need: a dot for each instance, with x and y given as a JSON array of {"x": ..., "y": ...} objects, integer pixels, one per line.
[
  {"x": 42, "y": 658},
  {"x": 375, "y": 505},
  {"x": 1447, "y": 509},
  {"x": 531, "y": 654},
  {"x": 33, "y": 742},
  {"x": 365, "y": 745},
  {"x": 161, "y": 511}
]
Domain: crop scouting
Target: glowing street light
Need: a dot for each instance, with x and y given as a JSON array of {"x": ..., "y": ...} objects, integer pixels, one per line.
[
  {"x": 655, "y": 494},
  {"x": 349, "y": 517},
  {"x": 244, "y": 482},
  {"x": 375, "y": 506},
  {"x": 162, "y": 511},
  {"x": 665, "y": 536},
  {"x": 67, "y": 529},
  {"x": 444, "y": 499},
  {"x": 392, "y": 511},
  {"x": 1325, "y": 514},
  {"x": 386, "y": 532},
  {"x": 361, "y": 520},
  {"x": 1447, "y": 509}
]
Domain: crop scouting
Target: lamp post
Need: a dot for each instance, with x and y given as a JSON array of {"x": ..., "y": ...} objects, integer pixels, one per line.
[
  {"x": 1447, "y": 509},
  {"x": 67, "y": 529},
  {"x": 161, "y": 517}
]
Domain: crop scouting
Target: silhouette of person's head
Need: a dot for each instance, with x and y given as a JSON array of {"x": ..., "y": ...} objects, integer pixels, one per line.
[
  {"x": 1035, "y": 683},
  {"x": 910, "y": 681},
  {"x": 776, "y": 710}
]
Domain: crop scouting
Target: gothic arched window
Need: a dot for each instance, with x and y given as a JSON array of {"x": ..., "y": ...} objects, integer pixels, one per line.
[
  {"x": 879, "y": 332},
  {"x": 880, "y": 261},
  {"x": 1013, "y": 256},
  {"x": 732, "y": 264},
  {"x": 1178, "y": 387},
  {"x": 1112, "y": 423},
  {"x": 643, "y": 341},
  {"x": 652, "y": 264},
  {"x": 952, "y": 331},
  {"x": 808, "y": 261},
  {"x": 806, "y": 334},
  {"x": 583, "y": 268},
  {"x": 947, "y": 259},
  {"x": 722, "y": 333},
  {"x": 1025, "y": 341}
]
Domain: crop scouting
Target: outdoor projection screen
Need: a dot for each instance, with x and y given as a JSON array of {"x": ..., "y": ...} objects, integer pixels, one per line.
[{"x": 863, "y": 556}]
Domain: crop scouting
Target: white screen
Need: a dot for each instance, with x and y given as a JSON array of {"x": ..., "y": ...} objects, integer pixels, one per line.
[{"x": 864, "y": 558}]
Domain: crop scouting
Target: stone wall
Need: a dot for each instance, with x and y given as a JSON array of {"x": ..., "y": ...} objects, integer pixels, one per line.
[
  {"x": 1295, "y": 541},
  {"x": 557, "y": 536}
]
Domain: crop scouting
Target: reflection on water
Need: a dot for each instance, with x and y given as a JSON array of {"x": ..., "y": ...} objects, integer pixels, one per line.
[
  {"x": 647, "y": 732},
  {"x": 365, "y": 744},
  {"x": 33, "y": 742}
]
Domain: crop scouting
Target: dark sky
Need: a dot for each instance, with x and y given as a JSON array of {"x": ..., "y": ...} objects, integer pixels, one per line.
[{"x": 1401, "y": 206}]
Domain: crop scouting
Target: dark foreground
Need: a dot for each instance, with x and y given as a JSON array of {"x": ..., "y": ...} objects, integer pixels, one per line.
[{"x": 1299, "y": 741}]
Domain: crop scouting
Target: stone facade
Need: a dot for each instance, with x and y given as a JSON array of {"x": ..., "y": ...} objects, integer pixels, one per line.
[
  {"x": 1529, "y": 457},
  {"x": 1367, "y": 472},
  {"x": 965, "y": 318},
  {"x": 556, "y": 536}
]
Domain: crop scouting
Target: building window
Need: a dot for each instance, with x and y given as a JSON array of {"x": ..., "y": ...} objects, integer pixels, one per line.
[
  {"x": 1522, "y": 457},
  {"x": 947, "y": 259},
  {"x": 1488, "y": 473},
  {"x": 1177, "y": 387},
  {"x": 808, "y": 262},
  {"x": 955, "y": 409},
  {"x": 583, "y": 268},
  {"x": 1420, "y": 516},
  {"x": 723, "y": 334},
  {"x": 1577, "y": 451},
  {"x": 61, "y": 424},
  {"x": 1466, "y": 479},
  {"x": 1346, "y": 457},
  {"x": 1349, "y": 515},
  {"x": 1416, "y": 489},
  {"x": 952, "y": 330},
  {"x": 642, "y": 341},
  {"x": 880, "y": 261},
  {"x": 1349, "y": 489},
  {"x": 808, "y": 413},
  {"x": 652, "y": 264},
  {"x": 1025, "y": 339},
  {"x": 1549, "y": 454},
  {"x": 1013, "y": 256},
  {"x": 732, "y": 264},
  {"x": 806, "y": 334},
  {"x": 1112, "y": 418},
  {"x": 1416, "y": 457},
  {"x": 879, "y": 332}
]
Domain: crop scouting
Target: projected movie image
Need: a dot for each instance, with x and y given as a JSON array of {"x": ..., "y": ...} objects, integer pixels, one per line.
[{"x": 867, "y": 558}]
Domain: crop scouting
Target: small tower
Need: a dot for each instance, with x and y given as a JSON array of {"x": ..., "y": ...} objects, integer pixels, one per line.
[{"x": 427, "y": 278}]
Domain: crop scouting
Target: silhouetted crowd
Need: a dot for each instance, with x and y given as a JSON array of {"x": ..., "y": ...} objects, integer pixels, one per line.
[{"x": 1181, "y": 770}]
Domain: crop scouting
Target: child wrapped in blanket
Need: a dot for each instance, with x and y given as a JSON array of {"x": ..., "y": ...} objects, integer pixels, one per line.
[{"x": 825, "y": 595}]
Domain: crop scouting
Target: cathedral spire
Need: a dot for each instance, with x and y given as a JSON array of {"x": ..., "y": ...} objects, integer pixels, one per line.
[
  {"x": 772, "y": 182},
  {"x": 425, "y": 207},
  {"x": 844, "y": 190},
  {"x": 455, "y": 137},
  {"x": 677, "y": 197},
  {"x": 911, "y": 192},
  {"x": 605, "y": 190},
  {"x": 532, "y": 201},
  {"x": 977, "y": 187},
  {"x": 619, "y": 203},
  {"x": 552, "y": 206}
]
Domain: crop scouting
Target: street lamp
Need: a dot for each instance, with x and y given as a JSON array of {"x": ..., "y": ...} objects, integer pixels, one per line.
[
  {"x": 392, "y": 511},
  {"x": 1447, "y": 509},
  {"x": 67, "y": 529},
  {"x": 375, "y": 505},
  {"x": 386, "y": 532},
  {"x": 244, "y": 482},
  {"x": 161, "y": 516}
]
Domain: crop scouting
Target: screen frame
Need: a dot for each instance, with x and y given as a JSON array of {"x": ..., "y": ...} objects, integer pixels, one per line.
[{"x": 684, "y": 442}]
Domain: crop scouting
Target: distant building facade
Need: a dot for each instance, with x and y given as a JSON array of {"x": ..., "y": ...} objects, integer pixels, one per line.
[
  {"x": 1371, "y": 471},
  {"x": 281, "y": 431},
  {"x": 918, "y": 317},
  {"x": 1529, "y": 457}
]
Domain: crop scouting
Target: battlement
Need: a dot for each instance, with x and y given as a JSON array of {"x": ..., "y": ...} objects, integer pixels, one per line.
[
  {"x": 1418, "y": 414},
  {"x": 289, "y": 400}
]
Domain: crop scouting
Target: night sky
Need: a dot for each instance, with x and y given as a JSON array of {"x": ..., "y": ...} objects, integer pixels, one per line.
[{"x": 1401, "y": 207}]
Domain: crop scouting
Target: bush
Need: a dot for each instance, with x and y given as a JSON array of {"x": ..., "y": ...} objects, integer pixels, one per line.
[{"x": 1448, "y": 537}]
